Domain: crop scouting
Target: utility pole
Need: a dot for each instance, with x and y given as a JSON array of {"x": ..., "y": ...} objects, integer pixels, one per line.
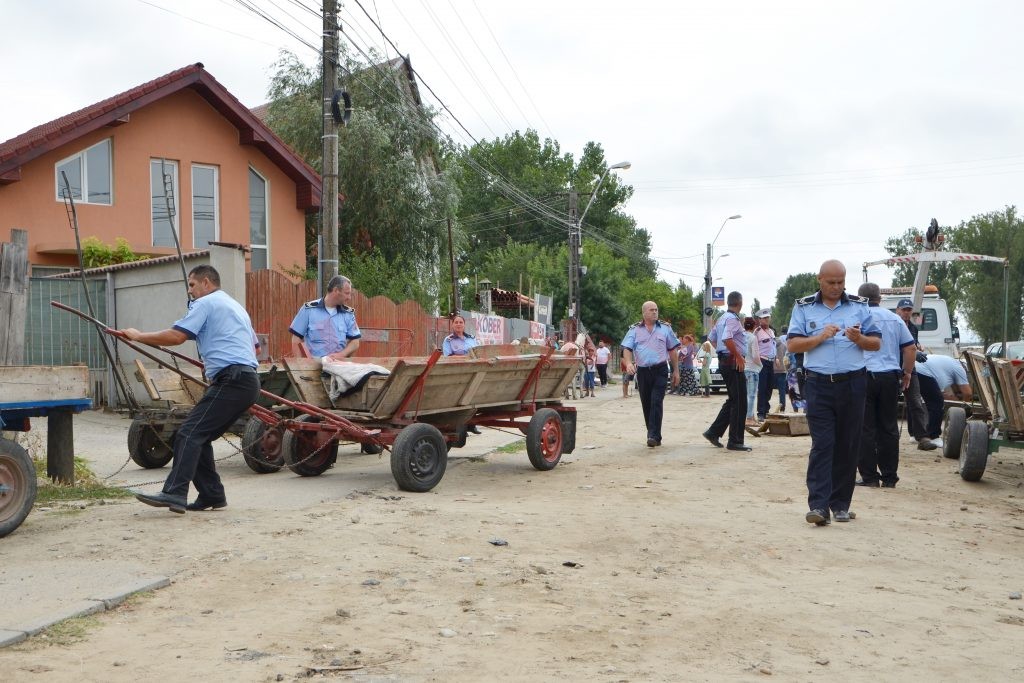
[
  {"x": 707, "y": 292},
  {"x": 574, "y": 266},
  {"x": 327, "y": 244},
  {"x": 455, "y": 273}
]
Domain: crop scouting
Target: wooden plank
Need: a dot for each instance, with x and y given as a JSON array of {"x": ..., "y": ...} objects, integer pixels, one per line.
[
  {"x": 13, "y": 297},
  {"x": 146, "y": 381},
  {"x": 24, "y": 384},
  {"x": 1010, "y": 374},
  {"x": 471, "y": 389},
  {"x": 305, "y": 376},
  {"x": 980, "y": 376}
]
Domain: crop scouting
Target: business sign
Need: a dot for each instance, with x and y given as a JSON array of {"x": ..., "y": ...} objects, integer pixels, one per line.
[
  {"x": 718, "y": 296},
  {"x": 537, "y": 334},
  {"x": 542, "y": 310},
  {"x": 490, "y": 329}
]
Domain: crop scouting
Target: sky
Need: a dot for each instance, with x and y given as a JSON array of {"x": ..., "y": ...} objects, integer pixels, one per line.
[{"x": 829, "y": 127}]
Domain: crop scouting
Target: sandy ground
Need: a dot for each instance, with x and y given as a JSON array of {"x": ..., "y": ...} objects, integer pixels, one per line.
[{"x": 690, "y": 563}]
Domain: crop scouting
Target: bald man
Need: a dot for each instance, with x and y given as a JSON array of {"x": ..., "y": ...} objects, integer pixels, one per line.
[
  {"x": 833, "y": 329},
  {"x": 648, "y": 349}
]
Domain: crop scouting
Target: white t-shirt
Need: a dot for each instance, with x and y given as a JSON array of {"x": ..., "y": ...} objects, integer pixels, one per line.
[{"x": 603, "y": 354}]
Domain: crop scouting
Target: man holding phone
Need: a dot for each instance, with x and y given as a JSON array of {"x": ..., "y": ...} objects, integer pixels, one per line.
[{"x": 833, "y": 329}]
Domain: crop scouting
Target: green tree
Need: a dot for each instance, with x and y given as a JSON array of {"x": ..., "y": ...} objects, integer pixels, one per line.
[
  {"x": 96, "y": 253},
  {"x": 391, "y": 165},
  {"x": 980, "y": 284},
  {"x": 793, "y": 288}
]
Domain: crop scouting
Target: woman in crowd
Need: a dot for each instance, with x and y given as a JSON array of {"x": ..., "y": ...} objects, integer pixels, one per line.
[
  {"x": 752, "y": 371},
  {"x": 707, "y": 353},
  {"x": 687, "y": 377}
]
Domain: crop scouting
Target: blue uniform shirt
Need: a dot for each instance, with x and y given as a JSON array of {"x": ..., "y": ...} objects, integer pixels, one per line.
[
  {"x": 729, "y": 326},
  {"x": 458, "y": 346},
  {"x": 222, "y": 330},
  {"x": 650, "y": 348},
  {"x": 895, "y": 337},
  {"x": 325, "y": 331},
  {"x": 944, "y": 370},
  {"x": 838, "y": 354}
]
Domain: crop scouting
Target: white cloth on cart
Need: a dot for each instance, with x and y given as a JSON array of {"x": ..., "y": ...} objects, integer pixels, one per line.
[{"x": 345, "y": 377}]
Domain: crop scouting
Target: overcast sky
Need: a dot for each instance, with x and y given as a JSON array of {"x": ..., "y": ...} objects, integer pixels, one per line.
[{"x": 828, "y": 126}]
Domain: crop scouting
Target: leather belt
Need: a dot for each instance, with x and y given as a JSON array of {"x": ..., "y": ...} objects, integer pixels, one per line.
[{"x": 839, "y": 377}]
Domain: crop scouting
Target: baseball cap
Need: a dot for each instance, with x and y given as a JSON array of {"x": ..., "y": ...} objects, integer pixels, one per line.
[
  {"x": 905, "y": 303},
  {"x": 764, "y": 313}
]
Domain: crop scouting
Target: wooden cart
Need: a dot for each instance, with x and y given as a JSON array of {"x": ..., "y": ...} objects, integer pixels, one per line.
[
  {"x": 972, "y": 433},
  {"x": 424, "y": 407},
  {"x": 56, "y": 393}
]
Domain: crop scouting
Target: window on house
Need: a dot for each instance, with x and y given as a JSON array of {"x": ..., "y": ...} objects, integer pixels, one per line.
[
  {"x": 163, "y": 184},
  {"x": 205, "y": 206},
  {"x": 89, "y": 175},
  {"x": 259, "y": 215}
]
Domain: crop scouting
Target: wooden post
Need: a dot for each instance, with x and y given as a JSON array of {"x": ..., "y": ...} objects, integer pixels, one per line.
[
  {"x": 60, "y": 447},
  {"x": 13, "y": 297}
]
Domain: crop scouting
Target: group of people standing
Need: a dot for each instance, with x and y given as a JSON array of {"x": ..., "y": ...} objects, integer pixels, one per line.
[{"x": 855, "y": 359}]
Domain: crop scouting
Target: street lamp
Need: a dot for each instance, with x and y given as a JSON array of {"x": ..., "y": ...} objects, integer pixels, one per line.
[
  {"x": 575, "y": 248},
  {"x": 708, "y": 311}
]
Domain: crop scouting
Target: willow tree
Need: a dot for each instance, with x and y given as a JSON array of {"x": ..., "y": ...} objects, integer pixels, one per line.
[{"x": 396, "y": 196}]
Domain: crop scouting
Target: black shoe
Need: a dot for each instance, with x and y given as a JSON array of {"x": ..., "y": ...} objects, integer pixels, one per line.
[
  {"x": 888, "y": 484},
  {"x": 162, "y": 500},
  {"x": 473, "y": 429},
  {"x": 651, "y": 443},
  {"x": 713, "y": 439},
  {"x": 845, "y": 515},
  {"x": 201, "y": 504},
  {"x": 737, "y": 447},
  {"x": 862, "y": 482},
  {"x": 818, "y": 517}
]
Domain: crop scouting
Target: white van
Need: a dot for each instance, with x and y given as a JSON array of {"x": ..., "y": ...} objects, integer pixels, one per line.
[{"x": 937, "y": 334}]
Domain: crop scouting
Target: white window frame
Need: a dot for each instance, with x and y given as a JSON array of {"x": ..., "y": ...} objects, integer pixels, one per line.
[
  {"x": 266, "y": 209},
  {"x": 84, "y": 170},
  {"x": 154, "y": 163},
  {"x": 216, "y": 202}
]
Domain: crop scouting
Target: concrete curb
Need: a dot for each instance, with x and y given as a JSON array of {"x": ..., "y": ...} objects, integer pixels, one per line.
[{"x": 93, "y": 605}]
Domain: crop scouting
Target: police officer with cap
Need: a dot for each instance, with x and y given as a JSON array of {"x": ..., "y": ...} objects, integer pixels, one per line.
[
  {"x": 889, "y": 371},
  {"x": 833, "y": 330},
  {"x": 917, "y": 413},
  {"x": 328, "y": 325}
]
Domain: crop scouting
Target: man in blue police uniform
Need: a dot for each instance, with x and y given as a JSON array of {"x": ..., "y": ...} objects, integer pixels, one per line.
[
  {"x": 328, "y": 325},
  {"x": 647, "y": 350},
  {"x": 833, "y": 330},
  {"x": 889, "y": 372},
  {"x": 730, "y": 341},
  {"x": 227, "y": 344}
]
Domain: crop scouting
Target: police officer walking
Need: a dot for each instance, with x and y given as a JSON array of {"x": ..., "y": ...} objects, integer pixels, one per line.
[
  {"x": 729, "y": 340},
  {"x": 647, "y": 350},
  {"x": 889, "y": 372},
  {"x": 833, "y": 330}
]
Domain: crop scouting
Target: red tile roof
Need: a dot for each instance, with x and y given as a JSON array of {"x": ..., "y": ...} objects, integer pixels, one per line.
[{"x": 48, "y": 136}]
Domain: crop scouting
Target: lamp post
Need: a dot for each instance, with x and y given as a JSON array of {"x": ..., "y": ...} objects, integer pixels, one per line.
[
  {"x": 708, "y": 310},
  {"x": 575, "y": 245}
]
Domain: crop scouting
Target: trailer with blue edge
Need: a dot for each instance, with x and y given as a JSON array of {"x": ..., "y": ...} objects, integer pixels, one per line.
[{"x": 56, "y": 393}]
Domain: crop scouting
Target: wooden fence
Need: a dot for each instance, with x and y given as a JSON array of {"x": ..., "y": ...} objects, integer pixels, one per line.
[{"x": 389, "y": 329}]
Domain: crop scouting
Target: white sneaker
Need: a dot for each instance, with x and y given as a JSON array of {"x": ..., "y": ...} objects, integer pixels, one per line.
[{"x": 937, "y": 442}]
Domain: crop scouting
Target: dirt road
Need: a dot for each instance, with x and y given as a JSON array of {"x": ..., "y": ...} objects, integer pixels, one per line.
[{"x": 624, "y": 563}]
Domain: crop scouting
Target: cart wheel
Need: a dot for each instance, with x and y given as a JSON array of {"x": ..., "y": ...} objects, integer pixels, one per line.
[
  {"x": 370, "y": 448},
  {"x": 261, "y": 446},
  {"x": 953, "y": 432},
  {"x": 17, "y": 486},
  {"x": 974, "y": 451},
  {"x": 544, "y": 439},
  {"x": 419, "y": 457},
  {"x": 297, "y": 446},
  {"x": 147, "y": 448}
]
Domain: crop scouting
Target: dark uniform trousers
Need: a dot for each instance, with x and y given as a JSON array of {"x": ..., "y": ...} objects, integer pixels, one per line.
[
  {"x": 765, "y": 384},
  {"x": 734, "y": 411},
  {"x": 917, "y": 413},
  {"x": 934, "y": 401},
  {"x": 835, "y": 413},
  {"x": 880, "y": 436},
  {"x": 651, "y": 382},
  {"x": 229, "y": 395}
]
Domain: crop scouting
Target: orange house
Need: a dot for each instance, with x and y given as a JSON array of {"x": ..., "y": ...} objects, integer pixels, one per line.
[{"x": 181, "y": 141}]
